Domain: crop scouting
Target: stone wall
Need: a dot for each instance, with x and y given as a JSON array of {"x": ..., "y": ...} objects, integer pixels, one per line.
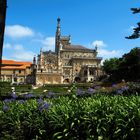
[{"x": 42, "y": 78}]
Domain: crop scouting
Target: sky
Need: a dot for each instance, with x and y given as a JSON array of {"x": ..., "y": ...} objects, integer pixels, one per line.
[{"x": 31, "y": 25}]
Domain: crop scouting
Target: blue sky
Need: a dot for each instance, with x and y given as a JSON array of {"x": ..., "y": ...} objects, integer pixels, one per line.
[{"x": 31, "y": 25}]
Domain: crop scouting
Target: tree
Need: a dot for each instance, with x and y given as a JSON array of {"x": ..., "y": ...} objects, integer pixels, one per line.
[
  {"x": 111, "y": 65},
  {"x": 127, "y": 67},
  {"x": 136, "y": 33}
]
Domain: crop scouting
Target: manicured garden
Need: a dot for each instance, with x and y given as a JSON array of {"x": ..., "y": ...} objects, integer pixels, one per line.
[{"x": 79, "y": 113}]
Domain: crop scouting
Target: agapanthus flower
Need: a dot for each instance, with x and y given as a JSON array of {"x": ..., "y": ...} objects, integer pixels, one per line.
[
  {"x": 13, "y": 95},
  {"x": 119, "y": 91},
  {"x": 114, "y": 85},
  {"x": 51, "y": 94},
  {"x": 29, "y": 95},
  {"x": 97, "y": 87},
  {"x": 21, "y": 101},
  {"x": 91, "y": 91},
  {"x": 80, "y": 92},
  {"x": 44, "y": 106},
  {"x": 6, "y": 108},
  {"x": 40, "y": 101},
  {"x": 8, "y": 100},
  {"x": 124, "y": 88}
]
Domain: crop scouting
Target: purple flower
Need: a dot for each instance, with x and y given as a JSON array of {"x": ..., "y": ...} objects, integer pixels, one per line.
[
  {"x": 91, "y": 91},
  {"x": 14, "y": 95},
  {"x": 114, "y": 85},
  {"x": 80, "y": 92},
  {"x": 29, "y": 95},
  {"x": 8, "y": 100},
  {"x": 97, "y": 87},
  {"x": 44, "y": 106},
  {"x": 50, "y": 94},
  {"x": 40, "y": 101},
  {"x": 124, "y": 88},
  {"x": 119, "y": 91},
  {"x": 6, "y": 108},
  {"x": 21, "y": 101}
]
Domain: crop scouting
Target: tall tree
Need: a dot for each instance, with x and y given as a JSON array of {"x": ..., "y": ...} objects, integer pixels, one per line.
[
  {"x": 111, "y": 65},
  {"x": 3, "y": 5},
  {"x": 127, "y": 67},
  {"x": 130, "y": 65},
  {"x": 136, "y": 30}
]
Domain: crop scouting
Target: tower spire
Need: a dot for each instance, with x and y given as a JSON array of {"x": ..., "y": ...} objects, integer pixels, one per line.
[
  {"x": 58, "y": 22},
  {"x": 57, "y": 36}
]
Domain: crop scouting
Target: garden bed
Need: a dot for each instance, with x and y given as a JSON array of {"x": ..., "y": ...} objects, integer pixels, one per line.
[{"x": 71, "y": 117}]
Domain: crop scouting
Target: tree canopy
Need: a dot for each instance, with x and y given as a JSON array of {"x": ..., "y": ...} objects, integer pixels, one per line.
[
  {"x": 127, "y": 67},
  {"x": 136, "y": 30}
]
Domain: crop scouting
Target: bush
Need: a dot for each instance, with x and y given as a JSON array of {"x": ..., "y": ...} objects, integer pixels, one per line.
[{"x": 5, "y": 88}]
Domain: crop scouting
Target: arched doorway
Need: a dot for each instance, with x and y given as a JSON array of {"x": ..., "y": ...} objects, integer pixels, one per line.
[
  {"x": 77, "y": 79},
  {"x": 66, "y": 81}
]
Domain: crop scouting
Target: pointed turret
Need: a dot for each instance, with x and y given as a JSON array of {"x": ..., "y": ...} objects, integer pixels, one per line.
[
  {"x": 57, "y": 36},
  {"x": 41, "y": 58},
  {"x": 96, "y": 49},
  {"x": 34, "y": 60}
]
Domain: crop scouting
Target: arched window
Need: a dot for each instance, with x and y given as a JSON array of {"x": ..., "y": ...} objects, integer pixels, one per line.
[{"x": 85, "y": 72}]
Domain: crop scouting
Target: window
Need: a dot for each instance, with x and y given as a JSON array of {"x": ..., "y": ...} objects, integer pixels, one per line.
[
  {"x": 14, "y": 71},
  {"x": 19, "y": 71},
  {"x": 85, "y": 73}
]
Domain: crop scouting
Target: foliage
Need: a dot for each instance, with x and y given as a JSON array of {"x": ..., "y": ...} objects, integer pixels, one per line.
[
  {"x": 136, "y": 33},
  {"x": 111, "y": 65},
  {"x": 127, "y": 67},
  {"x": 72, "y": 117},
  {"x": 130, "y": 66},
  {"x": 4, "y": 88}
]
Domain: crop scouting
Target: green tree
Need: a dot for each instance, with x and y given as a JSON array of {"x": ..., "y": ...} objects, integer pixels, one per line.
[
  {"x": 129, "y": 67},
  {"x": 111, "y": 65},
  {"x": 136, "y": 33}
]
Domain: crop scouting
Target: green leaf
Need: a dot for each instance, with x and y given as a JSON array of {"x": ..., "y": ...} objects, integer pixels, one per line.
[{"x": 57, "y": 134}]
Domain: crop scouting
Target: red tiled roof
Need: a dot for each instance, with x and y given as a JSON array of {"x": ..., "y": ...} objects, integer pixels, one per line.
[{"x": 11, "y": 64}]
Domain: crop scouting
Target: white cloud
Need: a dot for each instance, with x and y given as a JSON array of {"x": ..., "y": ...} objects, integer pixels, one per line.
[
  {"x": 18, "y": 31},
  {"x": 48, "y": 43},
  {"x": 23, "y": 55},
  {"x": 19, "y": 53},
  {"x": 109, "y": 54},
  {"x": 103, "y": 51},
  {"x": 18, "y": 47},
  {"x": 98, "y": 43},
  {"x": 7, "y": 46}
]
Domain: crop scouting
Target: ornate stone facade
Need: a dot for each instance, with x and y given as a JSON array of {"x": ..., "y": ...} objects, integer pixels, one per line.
[{"x": 69, "y": 63}]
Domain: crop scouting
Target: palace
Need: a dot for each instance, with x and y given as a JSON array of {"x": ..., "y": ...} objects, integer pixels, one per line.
[{"x": 69, "y": 63}]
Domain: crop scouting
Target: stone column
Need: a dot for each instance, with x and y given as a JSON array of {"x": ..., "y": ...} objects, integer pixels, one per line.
[{"x": 87, "y": 73}]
